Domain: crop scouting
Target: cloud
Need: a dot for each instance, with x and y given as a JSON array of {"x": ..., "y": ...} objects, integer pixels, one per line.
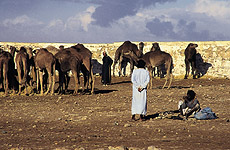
[
  {"x": 109, "y": 11},
  {"x": 213, "y": 8},
  {"x": 23, "y": 20},
  {"x": 81, "y": 20}
]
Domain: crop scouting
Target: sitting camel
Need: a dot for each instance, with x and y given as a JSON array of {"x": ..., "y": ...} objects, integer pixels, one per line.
[
  {"x": 45, "y": 60},
  {"x": 190, "y": 58},
  {"x": 22, "y": 68},
  {"x": 123, "y": 53}
]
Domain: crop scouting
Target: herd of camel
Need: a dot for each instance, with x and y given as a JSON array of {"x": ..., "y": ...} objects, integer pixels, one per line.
[{"x": 36, "y": 66}]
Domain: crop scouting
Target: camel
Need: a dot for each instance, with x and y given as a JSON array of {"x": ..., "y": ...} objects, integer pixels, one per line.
[
  {"x": 31, "y": 65},
  {"x": 65, "y": 62},
  {"x": 7, "y": 71},
  {"x": 157, "y": 70},
  {"x": 86, "y": 67},
  {"x": 123, "y": 53},
  {"x": 22, "y": 68},
  {"x": 45, "y": 60},
  {"x": 154, "y": 59},
  {"x": 190, "y": 58}
]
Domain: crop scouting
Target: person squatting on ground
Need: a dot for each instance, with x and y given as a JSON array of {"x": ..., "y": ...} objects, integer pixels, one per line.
[
  {"x": 189, "y": 105},
  {"x": 106, "y": 69},
  {"x": 140, "y": 79}
]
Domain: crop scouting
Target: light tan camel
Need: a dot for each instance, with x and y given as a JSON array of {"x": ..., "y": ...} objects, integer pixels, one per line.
[
  {"x": 123, "y": 53},
  {"x": 154, "y": 59}
]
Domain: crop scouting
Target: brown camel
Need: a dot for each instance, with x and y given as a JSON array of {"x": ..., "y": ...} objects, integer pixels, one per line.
[
  {"x": 22, "y": 68},
  {"x": 158, "y": 71},
  {"x": 66, "y": 61},
  {"x": 123, "y": 53},
  {"x": 31, "y": 65},
  {"x": 154, "y": 59},
  {"x": 86, "y": 67},
  {"x": 7, "y": 71},
  {"x": 45, "y": 60},
  {"x": 190, "y": 58}
]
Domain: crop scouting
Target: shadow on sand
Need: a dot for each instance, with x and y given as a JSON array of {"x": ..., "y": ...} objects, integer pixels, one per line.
[{"x": 172, "y": 114}]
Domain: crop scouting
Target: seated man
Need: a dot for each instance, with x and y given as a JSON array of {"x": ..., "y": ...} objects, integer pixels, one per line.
[{"x": 190, "y": 104}]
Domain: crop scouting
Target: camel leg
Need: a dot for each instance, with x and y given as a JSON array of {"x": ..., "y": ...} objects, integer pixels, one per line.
[
  {"x": 165, "y": 81},
  {"x": 25, "y": 76},
  {"x": 168, "y": 65},
  {"x": 187, "y": 68},
  {"x": 131, "y": 67},
  {"x": 75, "y": 74},
  {"x": 194, "y": 70},
  {"x": 114, "y": 64},
  {"x": 150, "y": 85},
  {"x": 53, "y": 82},
  {"x": 5, "y": 76},
  {"x": 38, "y": 81},
  {"x": 170, "y": 82},
  {"x": 120, "y": 63},
  {"x": 41, "y": 81},
  {"x": 93, "y": 81},
  {"x": 50, "y": 82},
  {"x": 19, "y": 78}
]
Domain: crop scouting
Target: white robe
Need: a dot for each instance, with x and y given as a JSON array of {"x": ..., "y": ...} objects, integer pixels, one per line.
[{"x": 140, "y": 78}]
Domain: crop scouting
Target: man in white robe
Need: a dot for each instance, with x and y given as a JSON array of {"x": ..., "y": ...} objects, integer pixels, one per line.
[{"x": 140, "y": 80}]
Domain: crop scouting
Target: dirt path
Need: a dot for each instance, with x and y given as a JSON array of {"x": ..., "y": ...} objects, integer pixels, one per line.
[{"x": 103, "y": 119}]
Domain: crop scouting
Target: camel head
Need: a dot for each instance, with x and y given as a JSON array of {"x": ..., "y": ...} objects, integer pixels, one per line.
[
  {"x": 132, "y": 55},
  {"x": 155, "y": 47},
  {"x": 192, "y": 45},
  {"x": 141, "y": 46},
  {"x": 12, "y": 50}
]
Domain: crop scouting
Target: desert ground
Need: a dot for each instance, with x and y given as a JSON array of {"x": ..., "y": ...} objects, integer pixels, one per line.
[{"x": 103, "y": 120}]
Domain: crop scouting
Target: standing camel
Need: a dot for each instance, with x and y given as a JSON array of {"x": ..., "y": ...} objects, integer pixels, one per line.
[
  {"x": 190, "y": 58},
  {"x": 7, "y": 70},
  {"x": 154, "y": 59},
  {"x": 123, "y": 53},
  {"x": 86, "y": 66},
  {"x": 22, "y": 68},
  {"x": 65, "y": 62},
  {"x": 31, "y": 66},
  {"x": 45, "y": 60}
]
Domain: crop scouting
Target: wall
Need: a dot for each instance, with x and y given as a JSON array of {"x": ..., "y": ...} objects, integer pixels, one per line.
[{"x": 213, "y": 61}]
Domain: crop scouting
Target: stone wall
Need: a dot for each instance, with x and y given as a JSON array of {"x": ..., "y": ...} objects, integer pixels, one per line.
[{"x": 213, "y": 56}]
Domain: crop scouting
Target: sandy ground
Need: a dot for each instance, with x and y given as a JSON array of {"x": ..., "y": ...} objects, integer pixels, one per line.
[{"x": 102, "y": 120}]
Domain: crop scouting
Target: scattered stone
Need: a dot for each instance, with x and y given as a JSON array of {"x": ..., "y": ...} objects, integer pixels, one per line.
[
  {"x": 153, "y": 148},
  {"x": 135, "y": 148},
  {"x": 118, "y": 148},
  {"x": 127, "y": 125},
  {"x": 80, "y": 148},
  {"x": 4, "y": 132},
  {"x": 116, "y": 123}
]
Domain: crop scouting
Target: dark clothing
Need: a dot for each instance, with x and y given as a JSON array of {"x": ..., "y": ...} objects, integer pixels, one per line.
[
  {"x": 188, "y": 107},
  {"x": 106, "y": 70}
]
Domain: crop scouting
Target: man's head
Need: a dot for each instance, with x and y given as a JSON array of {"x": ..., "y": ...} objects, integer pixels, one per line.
[
  {"x": 141, "y": 64},
  {"x": 190, "y": 95},
  {"x": 104, "y": 53}
]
